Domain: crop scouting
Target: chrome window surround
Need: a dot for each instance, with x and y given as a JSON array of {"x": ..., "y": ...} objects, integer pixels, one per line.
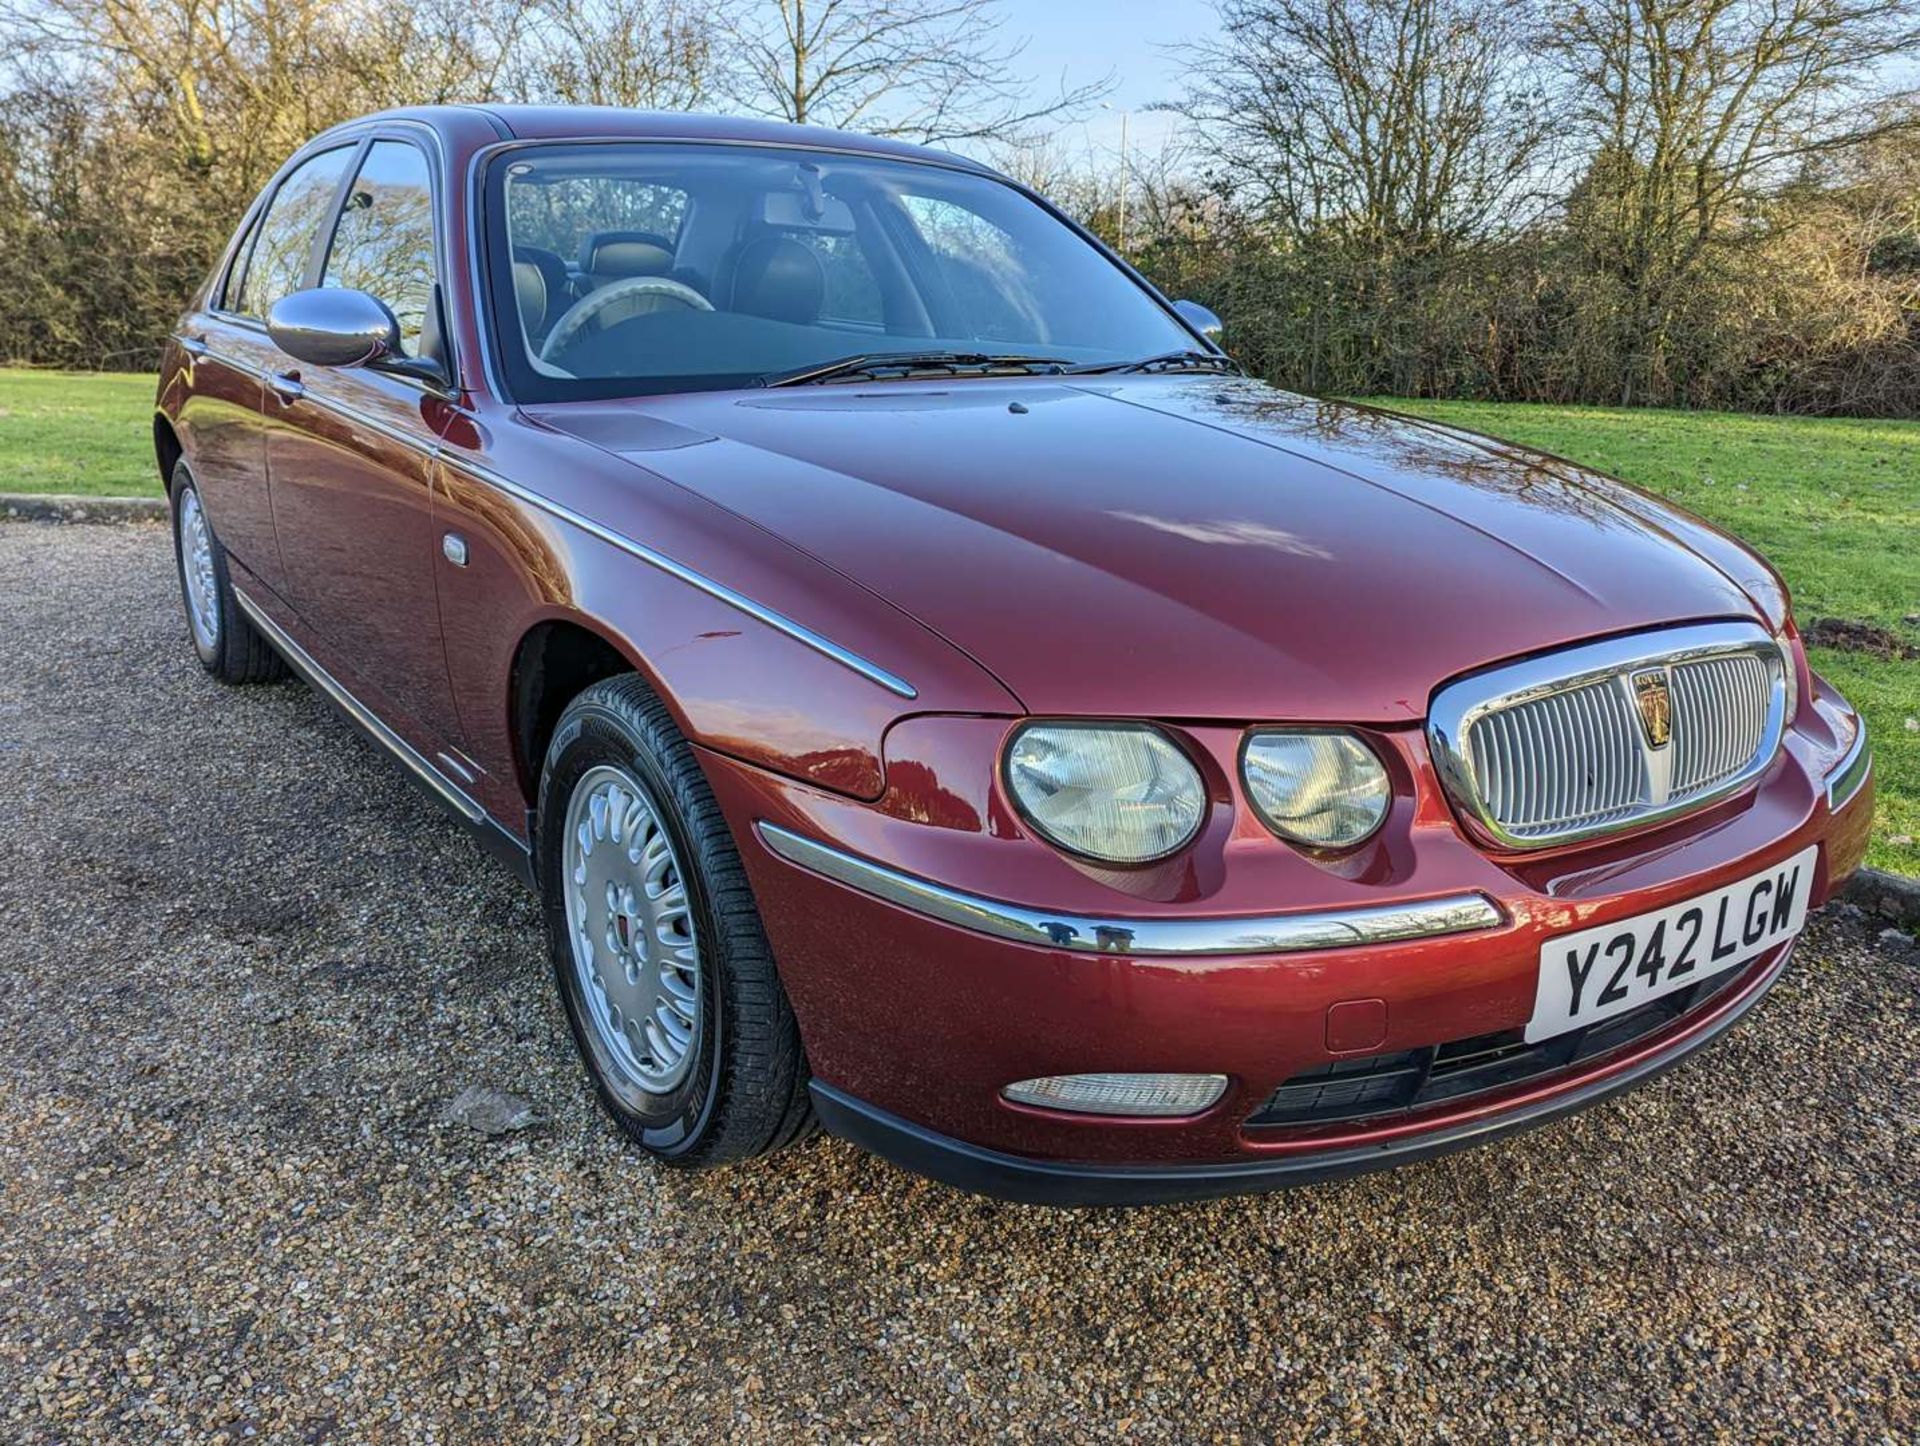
[
  {"x": 1847, "y": 776},
  {"x": 1458, "y": 705},
  {"x": 1194, "y": 937},
  {"x": 356, "y": 135}
]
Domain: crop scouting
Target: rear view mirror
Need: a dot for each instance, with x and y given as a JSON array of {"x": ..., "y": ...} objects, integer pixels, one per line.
[{"x": 795, "y": 211}]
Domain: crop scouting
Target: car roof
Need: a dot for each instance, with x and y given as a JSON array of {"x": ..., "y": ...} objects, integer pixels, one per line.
[{"x": 598, "y": 122}]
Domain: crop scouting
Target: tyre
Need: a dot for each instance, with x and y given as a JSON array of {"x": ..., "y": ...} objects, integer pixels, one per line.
[
  {"x": 661, "y": 960},
  {"x": 227, "y": 643}
]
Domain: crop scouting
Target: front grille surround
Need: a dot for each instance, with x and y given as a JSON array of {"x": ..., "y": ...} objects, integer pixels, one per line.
[{"x": 1552, "y": 749}]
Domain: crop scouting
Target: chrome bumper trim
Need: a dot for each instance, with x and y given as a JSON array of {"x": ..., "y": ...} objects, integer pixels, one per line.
[
  {"x": 1847, "y": 776},
  {"x": 1266, "y": 934}
]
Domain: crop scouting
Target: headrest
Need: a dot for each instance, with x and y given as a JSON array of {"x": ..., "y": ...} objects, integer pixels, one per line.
[
  {"x": 780, "y": 279},
  {"x": 626, "y": 253},
  {"x": 530, "y": 287}
]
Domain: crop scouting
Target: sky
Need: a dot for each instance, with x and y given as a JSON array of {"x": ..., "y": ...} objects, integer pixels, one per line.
[{"x": 1084, "y": 39}]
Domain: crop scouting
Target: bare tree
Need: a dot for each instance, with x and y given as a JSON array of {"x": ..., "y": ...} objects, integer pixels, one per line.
[
  {"x": 1402, "y": 123},
  {"x": 235, "y": 85},
  {"x": 934, "y": 70},
  {"x": 651, "y": 54},
  {"x": 1375, "y": 146},
  {"x": 1696, "y": 110}
]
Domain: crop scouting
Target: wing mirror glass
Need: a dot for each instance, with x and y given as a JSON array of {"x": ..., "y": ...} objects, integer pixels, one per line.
[{"x": 1201, "y": 320}]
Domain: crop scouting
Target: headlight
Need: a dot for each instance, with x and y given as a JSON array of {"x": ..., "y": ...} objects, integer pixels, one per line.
[
  {"x": 1323, "y": 789},
  {"x": 1123, "y": 794}
]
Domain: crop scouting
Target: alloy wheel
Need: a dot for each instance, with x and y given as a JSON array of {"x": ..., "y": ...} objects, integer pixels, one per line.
[
  {"x": 631, "y": 929},
  {"x": 196, "y": 571}
]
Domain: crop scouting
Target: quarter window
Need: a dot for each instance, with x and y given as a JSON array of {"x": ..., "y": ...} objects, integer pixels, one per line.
[
  {"x": 383, "y": 243},
  {"x": 284, "y": 245},
  {"x": 228, "y": 298}
]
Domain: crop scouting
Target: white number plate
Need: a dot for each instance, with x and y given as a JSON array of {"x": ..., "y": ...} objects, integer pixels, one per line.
[{"x": 1607, "y": 970}]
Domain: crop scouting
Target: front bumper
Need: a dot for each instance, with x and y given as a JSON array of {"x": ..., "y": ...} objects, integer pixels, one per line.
[
  {"x": 918, "y": 1008},
  {"x": 1065, "y": 1182}
]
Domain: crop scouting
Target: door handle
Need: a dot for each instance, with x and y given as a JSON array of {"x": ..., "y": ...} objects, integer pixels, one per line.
[
  {"x": 454, "y": 548},
  {"x": 286, "y": 385},
  {"x": 193, "y": 346}
]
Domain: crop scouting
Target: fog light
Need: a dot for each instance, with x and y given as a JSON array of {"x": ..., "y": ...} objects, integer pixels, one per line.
[{"x": 1120, "y": 1094}]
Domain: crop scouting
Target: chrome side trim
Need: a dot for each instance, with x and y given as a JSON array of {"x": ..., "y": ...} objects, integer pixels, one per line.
[
  {"x": 1269, "y": 934},
  {"x": 302, "y": 662},
  {"x": 426, "y": 445},
  {"x": 432, "y": 449},
  {"x": 1458, "y": 705},
  {"x": 455, "y": 766},
  {"x": 1851, "y": 772},
  {"x": 799, "y": 632},
  {"x": 202, "y": 351}
]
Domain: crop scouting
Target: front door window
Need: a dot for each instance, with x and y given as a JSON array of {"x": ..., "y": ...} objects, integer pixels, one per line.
[{"x": 383, "y": 244}]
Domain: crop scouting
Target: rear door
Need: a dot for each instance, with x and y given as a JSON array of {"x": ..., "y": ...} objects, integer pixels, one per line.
[
  {"x": 350, "y": 455},
  {"x": 232, "y": 353}
]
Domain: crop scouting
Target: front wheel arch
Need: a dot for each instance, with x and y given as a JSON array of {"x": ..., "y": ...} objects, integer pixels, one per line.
[
  {"x": 555, "y": 661},
  {"x": 746, "y": 1090}
]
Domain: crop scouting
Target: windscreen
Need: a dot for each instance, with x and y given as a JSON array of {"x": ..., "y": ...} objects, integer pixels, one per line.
[{"x": 630, "y": 268}]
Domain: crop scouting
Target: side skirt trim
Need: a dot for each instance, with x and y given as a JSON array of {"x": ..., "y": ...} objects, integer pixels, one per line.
[
  {"x": 303, "y": 663},
  {"x": 517, "y": 856}
]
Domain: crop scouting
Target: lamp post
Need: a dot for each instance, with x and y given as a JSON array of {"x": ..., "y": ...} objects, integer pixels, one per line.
[{"x": 1124, "y": 116}]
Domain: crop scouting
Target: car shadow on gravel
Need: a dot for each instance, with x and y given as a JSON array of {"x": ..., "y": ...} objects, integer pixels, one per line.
[{"x": 249, "y": 967}]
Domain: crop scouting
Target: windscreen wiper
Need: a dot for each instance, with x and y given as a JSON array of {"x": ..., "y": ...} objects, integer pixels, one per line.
[
  {"x": 1186, "y": 360},
  {"x": 898, "y": 365}
]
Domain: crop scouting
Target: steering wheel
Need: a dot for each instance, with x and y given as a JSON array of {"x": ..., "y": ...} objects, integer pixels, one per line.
[{"x": 646, "y": 292}]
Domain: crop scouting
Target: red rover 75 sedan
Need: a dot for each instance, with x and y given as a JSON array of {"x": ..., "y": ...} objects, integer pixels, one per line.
[{"x": 937, "y": 695}]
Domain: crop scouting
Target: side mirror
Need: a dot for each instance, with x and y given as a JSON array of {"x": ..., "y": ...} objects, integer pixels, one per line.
[
  {"x": 331, "y": 327},
  {"x": 1201, "y": 320}
]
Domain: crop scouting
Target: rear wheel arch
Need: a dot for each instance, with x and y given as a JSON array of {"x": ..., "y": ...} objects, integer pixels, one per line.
[{"x": 167, "y": 449}]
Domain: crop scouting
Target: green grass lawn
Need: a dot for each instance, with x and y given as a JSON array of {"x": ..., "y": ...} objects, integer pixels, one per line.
[
  {"x": 81, "y": 432},
  {"x": 1834, "y": 504}
]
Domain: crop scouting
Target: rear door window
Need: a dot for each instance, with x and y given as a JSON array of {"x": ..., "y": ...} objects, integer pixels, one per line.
[
  {"x": 228, "y": 296},
  {"x": 383, "y": 243},
  {"x": 284, "y": 244}
]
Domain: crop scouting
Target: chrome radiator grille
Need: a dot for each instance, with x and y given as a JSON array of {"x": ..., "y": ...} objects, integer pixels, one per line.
[
  {"x": 1719, "y": 719},
  {"x": 1611, "y": 734},
  {"x": 1585, "y": 736}
]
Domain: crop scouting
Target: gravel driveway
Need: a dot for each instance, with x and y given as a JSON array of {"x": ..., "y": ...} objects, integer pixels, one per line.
[{"x": 248, "y": 968}]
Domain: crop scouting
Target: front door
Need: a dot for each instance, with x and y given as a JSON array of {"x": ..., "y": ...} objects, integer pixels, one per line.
[
  {"x": 231, "y": 351},
  {"x": 350, "y": 460}
]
